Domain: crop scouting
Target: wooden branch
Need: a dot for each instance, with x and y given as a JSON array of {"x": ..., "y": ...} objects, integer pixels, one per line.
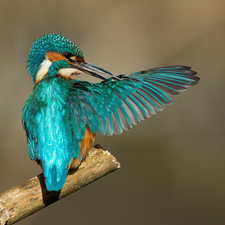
[{"x": 32, "y": 196}]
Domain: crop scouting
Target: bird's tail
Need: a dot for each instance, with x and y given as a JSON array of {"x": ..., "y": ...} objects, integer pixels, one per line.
[{"x": 55, "y": 176}]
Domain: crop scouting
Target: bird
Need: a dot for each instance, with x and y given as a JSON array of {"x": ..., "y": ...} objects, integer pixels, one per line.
[{"x": 62, "y": 115}]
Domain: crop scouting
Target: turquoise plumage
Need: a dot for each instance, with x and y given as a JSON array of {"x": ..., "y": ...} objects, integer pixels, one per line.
[{"x": 60, "y": 110}]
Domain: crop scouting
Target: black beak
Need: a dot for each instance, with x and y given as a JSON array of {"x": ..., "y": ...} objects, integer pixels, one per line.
[{"x": 89, "y": 68}]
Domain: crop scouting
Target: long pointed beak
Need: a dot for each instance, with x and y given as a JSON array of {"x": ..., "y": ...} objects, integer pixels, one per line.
[{"x": 89, "y": 68}]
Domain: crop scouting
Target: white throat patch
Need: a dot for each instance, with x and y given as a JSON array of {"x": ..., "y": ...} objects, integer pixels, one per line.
[{"x": 43, "y": 70}]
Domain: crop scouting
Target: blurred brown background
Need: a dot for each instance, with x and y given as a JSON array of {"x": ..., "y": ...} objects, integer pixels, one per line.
[{"x": 173, "y": 170}]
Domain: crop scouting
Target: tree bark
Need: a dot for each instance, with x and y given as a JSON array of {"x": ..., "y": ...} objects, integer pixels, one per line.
[{"x": 32, "y": 196}]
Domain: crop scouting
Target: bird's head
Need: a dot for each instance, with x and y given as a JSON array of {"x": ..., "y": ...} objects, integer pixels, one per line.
[{"x": 53, "y": 55}]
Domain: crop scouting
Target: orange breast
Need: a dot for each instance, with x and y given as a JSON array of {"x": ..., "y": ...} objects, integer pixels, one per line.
[
  {"x": 85, "y": 145},
  {"x": 86, "y": 142}
]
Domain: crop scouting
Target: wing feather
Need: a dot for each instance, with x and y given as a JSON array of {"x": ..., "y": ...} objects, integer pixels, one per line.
[{"x": 113, "y": 105}]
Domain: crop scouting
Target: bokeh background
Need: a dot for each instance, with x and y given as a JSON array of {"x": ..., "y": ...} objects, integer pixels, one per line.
[{"x": 173, "y": 169}]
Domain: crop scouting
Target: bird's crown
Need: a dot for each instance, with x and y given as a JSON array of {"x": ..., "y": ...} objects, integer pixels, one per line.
[
  {"x": 54, "y": 43},
  {"x": 53, "y": 55}
]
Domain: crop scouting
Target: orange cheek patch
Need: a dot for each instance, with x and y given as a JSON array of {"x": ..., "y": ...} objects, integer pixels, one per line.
[{"x": 54, "y": 56}]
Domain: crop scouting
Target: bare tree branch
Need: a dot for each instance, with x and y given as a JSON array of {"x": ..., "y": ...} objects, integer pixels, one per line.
[{"x": 32, "y": 196}]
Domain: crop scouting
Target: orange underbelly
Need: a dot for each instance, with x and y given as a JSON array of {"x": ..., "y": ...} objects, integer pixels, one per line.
[{"x": 85, "y": 145}]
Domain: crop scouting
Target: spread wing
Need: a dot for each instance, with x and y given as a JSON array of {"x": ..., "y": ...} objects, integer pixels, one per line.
[{"x": 113, "y": 105}]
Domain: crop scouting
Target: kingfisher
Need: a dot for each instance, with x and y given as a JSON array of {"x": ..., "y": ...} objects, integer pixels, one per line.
[{"x": 62, "y": 115}]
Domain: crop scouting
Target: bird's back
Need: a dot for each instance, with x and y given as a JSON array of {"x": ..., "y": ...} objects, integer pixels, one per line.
[{"x": 54, "y": 141}]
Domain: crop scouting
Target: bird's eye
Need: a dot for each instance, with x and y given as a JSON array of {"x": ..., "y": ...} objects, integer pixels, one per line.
[
  {"x": 70, "y": 57},
  {"x": 67, "y": 55}
]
